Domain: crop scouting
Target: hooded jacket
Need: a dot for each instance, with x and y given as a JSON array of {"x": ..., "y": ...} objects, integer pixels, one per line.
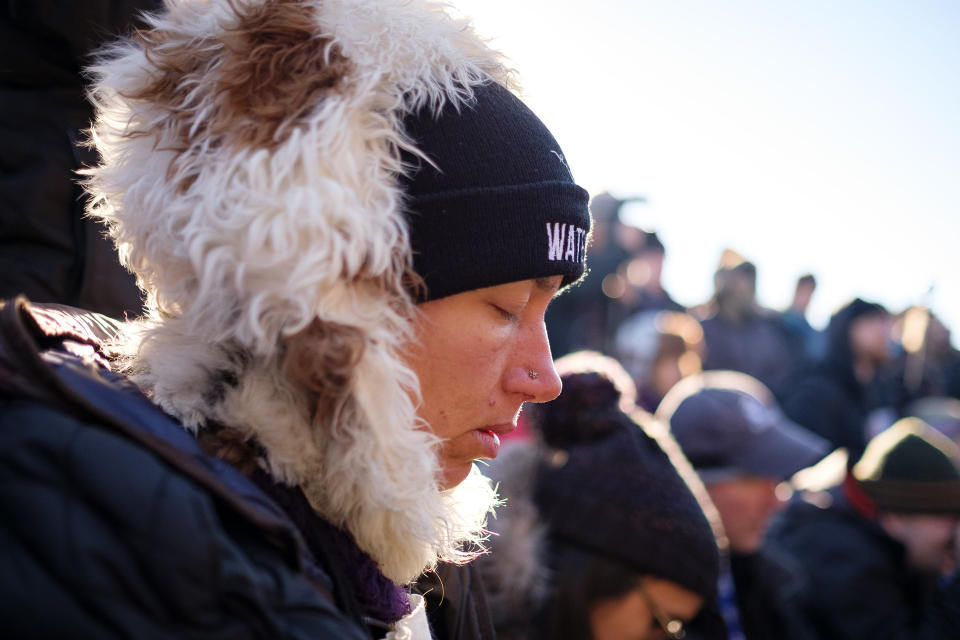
[{"x": 826, "y": 396}]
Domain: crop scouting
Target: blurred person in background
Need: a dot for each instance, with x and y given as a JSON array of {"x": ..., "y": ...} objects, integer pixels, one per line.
[
  {"x": 579, "y": 319},
  {"x": 738, "y": 333},
  {"x": 940, "y": 357},
  {"x": 602, "y": 538},
  {"x": 805, "y": 342},
  {"x": 925, "y": 362},
  {"x": 730, "y": 428},
  {"x": 49, "y": 250},
  {"x": 658, "y": 349},
  {"x": 644, "y": 274},
  {"x": 880, "y": 550},
  {"x": 835, "y": 396},
  {"x": 940, "y": 412}
]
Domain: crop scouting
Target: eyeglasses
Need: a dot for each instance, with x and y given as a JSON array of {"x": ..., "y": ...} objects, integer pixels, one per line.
[{"x": 671, "y": 627}]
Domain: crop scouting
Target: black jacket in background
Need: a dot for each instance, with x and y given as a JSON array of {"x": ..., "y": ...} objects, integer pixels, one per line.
[
  {"x": 859, "y": 586},
  {"x": 769, "y": 586},
  {"x": 832, "y": 404},
  {"x": 456, "y": 603},
  {"x": 48, "y": 250}
]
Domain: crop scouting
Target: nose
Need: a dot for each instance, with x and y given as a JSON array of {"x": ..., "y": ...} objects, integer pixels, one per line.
[{"x": 532, "y": 373}]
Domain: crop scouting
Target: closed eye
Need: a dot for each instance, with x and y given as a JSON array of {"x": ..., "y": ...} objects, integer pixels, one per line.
[{"x": 506, "y": 315}]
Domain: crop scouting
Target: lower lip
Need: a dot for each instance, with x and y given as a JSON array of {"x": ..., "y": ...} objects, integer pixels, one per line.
[{"x": 489, "y": 443}]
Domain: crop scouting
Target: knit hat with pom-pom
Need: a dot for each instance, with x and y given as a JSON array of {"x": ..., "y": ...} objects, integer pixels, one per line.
[{"x": 609, "y": 488}]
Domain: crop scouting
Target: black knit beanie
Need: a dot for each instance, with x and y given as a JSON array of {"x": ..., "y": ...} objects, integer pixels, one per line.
[
  {"x": 911, "y": 468},
  {"x": 621, "y": 498},
  {"x": 499, "y": 206}
]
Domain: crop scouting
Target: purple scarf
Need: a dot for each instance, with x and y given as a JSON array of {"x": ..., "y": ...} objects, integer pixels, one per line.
[{"x": 352, "y": 570}]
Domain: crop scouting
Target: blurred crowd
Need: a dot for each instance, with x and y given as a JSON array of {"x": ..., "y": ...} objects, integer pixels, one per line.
[
  {"x": 829, "y": 455},
  {"x": 883, "y": 361}
]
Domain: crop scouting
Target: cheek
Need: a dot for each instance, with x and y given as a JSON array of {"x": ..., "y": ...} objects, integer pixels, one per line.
[
  {"x": 459, "y": 379},
  {"x": 460, "y": 371},
  {"x": 624, "y": 617},
  {"x": 765, "y": 505},
  {"x": 941, "y": 539},
  {"x": 753, "y": 508},
  {"x": 755, "y": 512},
  {"x": 458, "y": 347}
]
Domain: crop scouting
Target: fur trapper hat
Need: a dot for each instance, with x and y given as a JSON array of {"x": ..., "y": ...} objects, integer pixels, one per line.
[{"x": 260, "y": 179}]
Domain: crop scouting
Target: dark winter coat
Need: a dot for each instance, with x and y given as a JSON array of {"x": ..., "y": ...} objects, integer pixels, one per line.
[
  {"x": 768, "y": 588},
  {"x": 830, "y": 403},
  {"x": 757, "y": 347},
  {"x": 116, "y": 524},
  {"x": 859, "y": 585},
  {"x": 457, "y": 603},
  {"x": 51, "y": 253}
]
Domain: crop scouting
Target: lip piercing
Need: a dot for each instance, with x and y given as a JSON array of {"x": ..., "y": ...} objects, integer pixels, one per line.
[{"x": 533, "y": 374}]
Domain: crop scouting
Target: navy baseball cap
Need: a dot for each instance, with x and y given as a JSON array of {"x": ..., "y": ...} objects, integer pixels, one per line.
[{"x": 728, "y": 424}]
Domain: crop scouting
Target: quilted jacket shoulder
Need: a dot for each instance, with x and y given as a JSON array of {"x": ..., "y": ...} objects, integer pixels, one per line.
[{"x": 114, "y": 523}]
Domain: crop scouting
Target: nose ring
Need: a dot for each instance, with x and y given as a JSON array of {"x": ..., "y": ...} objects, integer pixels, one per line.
[{"x": 533, "y": 374}]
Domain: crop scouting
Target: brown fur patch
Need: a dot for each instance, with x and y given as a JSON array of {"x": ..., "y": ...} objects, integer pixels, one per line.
[
  {"x": 231, "y": 446},
  {"x": 277, "y": 69},
  {"x": 321, "y": 360},
  {"x": 266, "y": 75}
]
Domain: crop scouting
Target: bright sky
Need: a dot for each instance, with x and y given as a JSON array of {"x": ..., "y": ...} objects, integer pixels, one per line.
[{"x": 811, "y": 135}]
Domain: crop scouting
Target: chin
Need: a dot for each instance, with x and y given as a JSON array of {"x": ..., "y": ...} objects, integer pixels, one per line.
[{"x": 453, "y": 473}]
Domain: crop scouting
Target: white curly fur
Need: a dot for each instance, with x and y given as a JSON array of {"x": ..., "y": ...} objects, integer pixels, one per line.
[{"x": 239, "y": 248}]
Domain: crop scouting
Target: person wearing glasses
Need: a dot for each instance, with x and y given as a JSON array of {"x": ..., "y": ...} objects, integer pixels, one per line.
[{"x": 602, "y": 537}]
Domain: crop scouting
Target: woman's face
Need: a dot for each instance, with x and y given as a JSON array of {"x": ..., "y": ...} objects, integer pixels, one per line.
[
  {"x": 479, "y": 355},
  {"x": 631, "y": 617}
]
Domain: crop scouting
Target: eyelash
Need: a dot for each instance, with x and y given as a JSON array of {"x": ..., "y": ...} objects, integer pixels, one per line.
[{"x": 510, "y": 317}]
